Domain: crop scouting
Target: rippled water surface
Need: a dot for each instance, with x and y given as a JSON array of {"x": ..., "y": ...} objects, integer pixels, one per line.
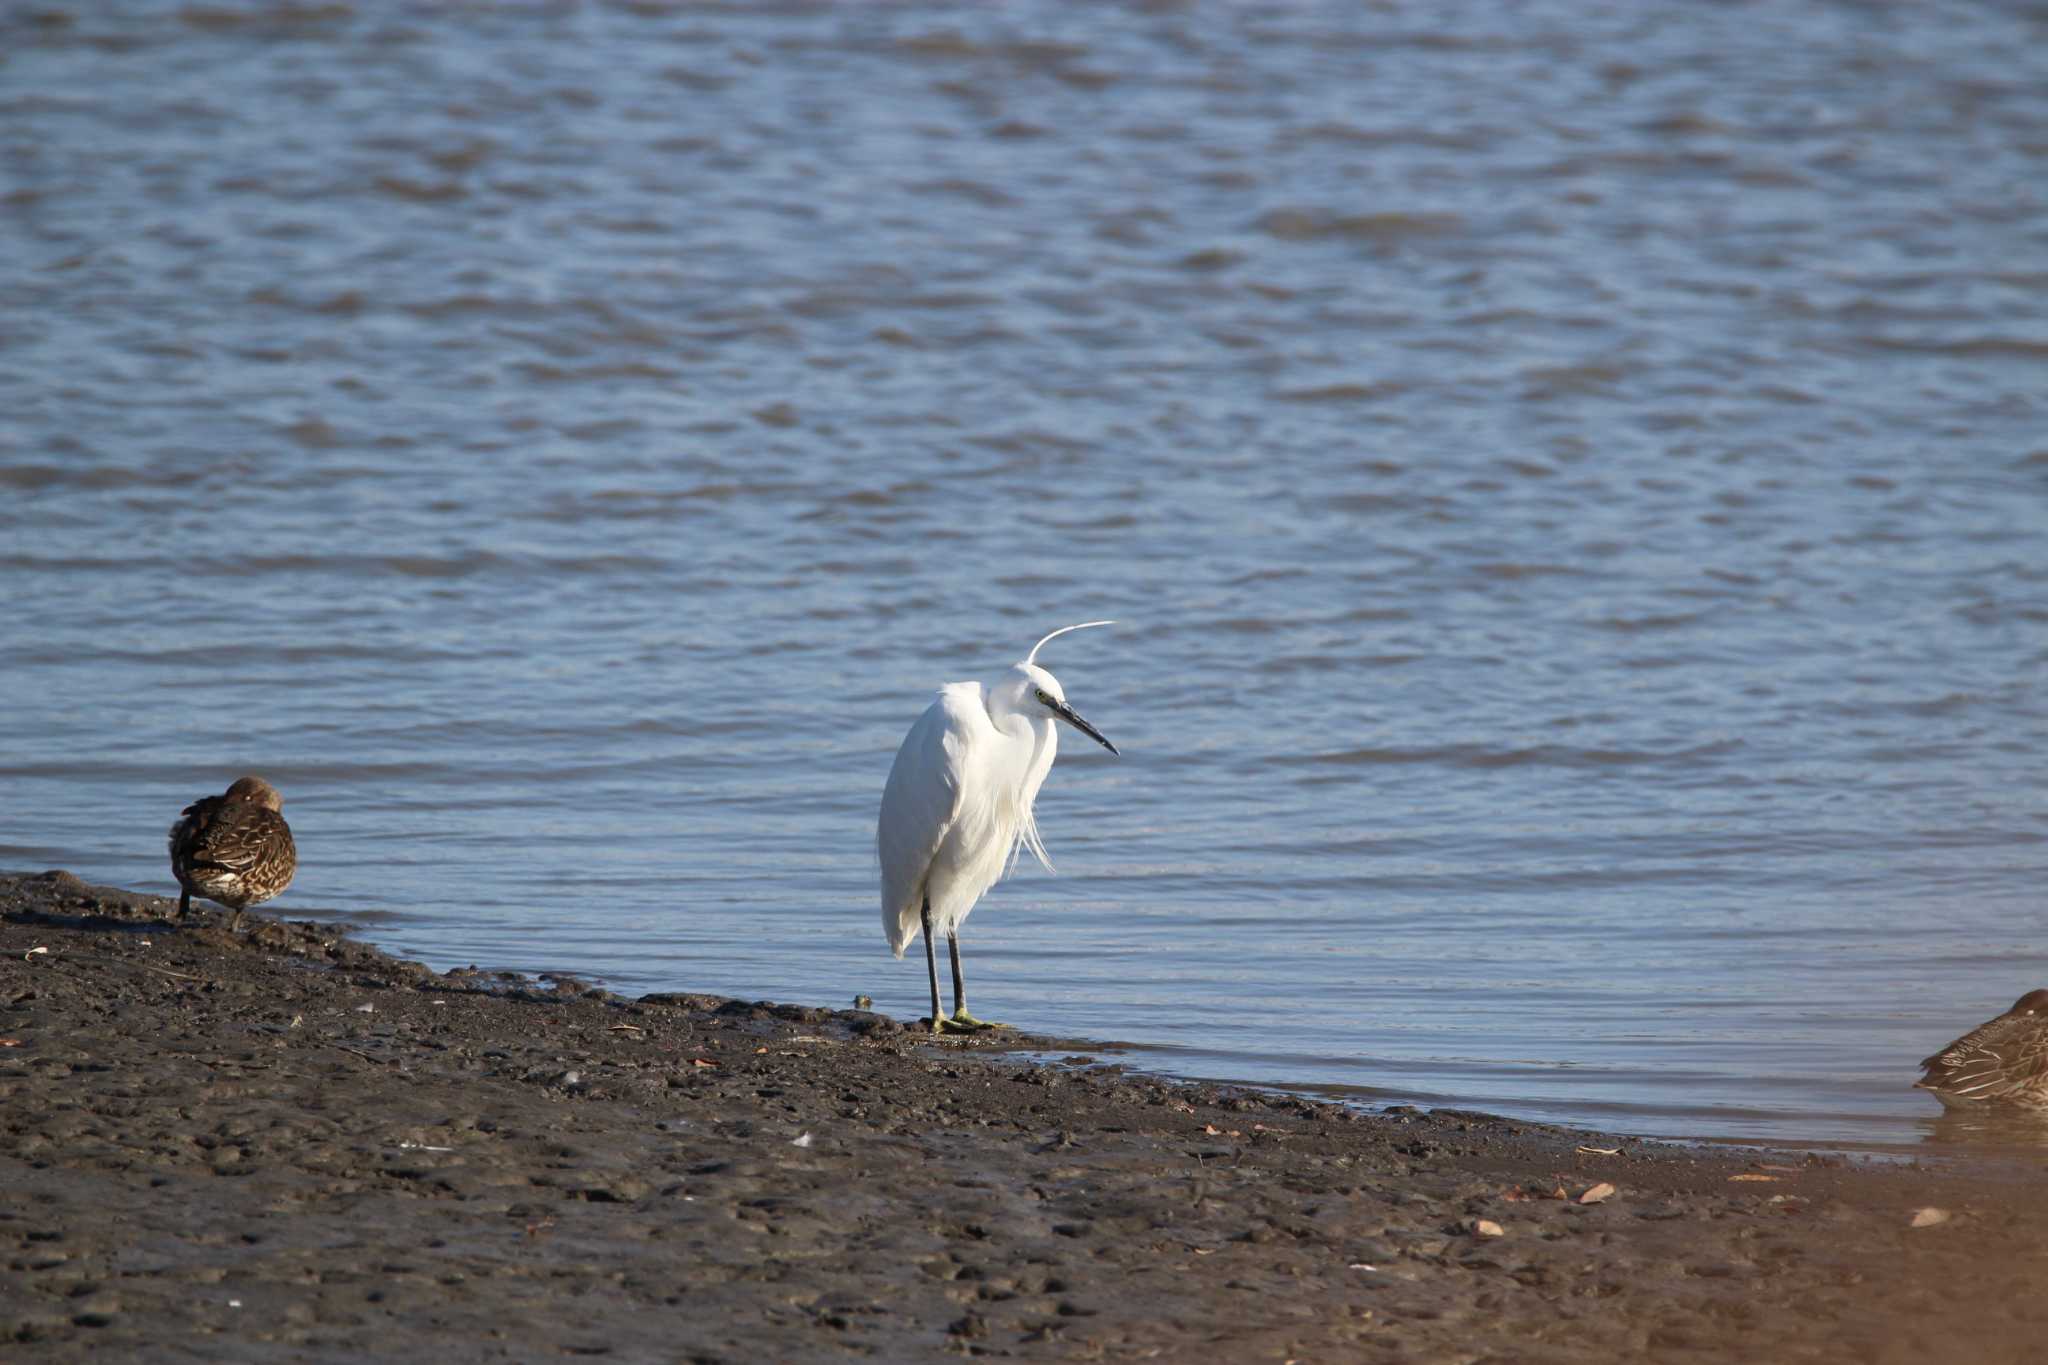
[{"x": 1573, "y": 480}]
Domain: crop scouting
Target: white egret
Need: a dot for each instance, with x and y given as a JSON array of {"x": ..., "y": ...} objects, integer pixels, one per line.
[{"x": 957, "y": 809}]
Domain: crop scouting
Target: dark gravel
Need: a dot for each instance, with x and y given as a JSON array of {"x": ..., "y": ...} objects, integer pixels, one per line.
[{"x": 287, "y": 1145}]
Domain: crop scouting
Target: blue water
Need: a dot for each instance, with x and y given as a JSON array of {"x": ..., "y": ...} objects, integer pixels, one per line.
[{"x": 1573, "y": 486}]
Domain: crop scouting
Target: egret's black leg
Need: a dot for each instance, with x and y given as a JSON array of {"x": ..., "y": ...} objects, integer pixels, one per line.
[
  {"x": 959, "y": 981},
  {"x": 962, "y": 1021},
  {"x": 931, "y": 962},
  {"x": 184, "y": 903},
  {"x": 960, "y": 1014}
]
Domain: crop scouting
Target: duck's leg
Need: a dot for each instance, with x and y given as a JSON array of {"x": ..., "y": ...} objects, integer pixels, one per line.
[{"x": 960, "y": 1015}]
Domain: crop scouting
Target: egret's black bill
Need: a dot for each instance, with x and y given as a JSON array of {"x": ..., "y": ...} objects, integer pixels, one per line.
[{"x": 1073, "y": 718}]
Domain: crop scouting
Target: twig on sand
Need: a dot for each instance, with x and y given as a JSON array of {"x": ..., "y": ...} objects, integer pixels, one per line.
[
  {"x": 166, "y": 971},
  {"x": 121, "y": 962}
]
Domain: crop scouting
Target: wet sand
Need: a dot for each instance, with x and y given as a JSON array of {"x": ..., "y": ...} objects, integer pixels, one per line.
[{"x": 290, "y": 1146}]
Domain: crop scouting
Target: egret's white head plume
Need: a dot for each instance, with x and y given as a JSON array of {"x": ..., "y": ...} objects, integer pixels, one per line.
[{"x": 1032, "y": 657}]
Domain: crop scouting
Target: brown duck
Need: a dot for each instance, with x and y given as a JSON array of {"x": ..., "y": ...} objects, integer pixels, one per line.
[
  {"x": 234, "y": 849},
  {"x": 2003, "y": 1061}
]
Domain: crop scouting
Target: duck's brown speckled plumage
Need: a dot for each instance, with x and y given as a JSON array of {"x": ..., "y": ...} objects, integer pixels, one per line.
[
  {"x": 234, "y": 849},
  {"x": 2003, "y": 1061}
]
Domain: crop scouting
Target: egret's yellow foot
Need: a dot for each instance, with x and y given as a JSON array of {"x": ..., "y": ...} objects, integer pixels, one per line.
[{"x": 961, "y": 1022}]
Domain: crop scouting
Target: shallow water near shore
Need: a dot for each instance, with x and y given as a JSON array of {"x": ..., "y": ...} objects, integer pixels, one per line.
[{"x": 1573, "y": 488}]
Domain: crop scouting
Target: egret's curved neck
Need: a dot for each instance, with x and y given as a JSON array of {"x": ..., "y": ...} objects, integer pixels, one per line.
[
  {"x": 1032, "y": 729},
  {"x": 1004, "y": 700},
  {"x": 1045, "y": 740},
  {"x": 1030, "y": 735}
]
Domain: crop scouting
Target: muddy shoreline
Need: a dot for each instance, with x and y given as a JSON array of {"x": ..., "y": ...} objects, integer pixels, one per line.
[{"x": 289, "y": 1145}]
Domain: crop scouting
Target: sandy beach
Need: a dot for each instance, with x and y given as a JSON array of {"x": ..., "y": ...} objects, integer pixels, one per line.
[{"x": 288, "y": 1145}]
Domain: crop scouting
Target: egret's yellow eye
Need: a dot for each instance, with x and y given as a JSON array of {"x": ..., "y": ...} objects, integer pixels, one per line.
[{"x": 1043, "y": 697}]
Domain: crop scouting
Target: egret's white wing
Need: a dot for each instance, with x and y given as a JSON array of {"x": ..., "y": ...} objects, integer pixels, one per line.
[{"x": 920, "y": 806}]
